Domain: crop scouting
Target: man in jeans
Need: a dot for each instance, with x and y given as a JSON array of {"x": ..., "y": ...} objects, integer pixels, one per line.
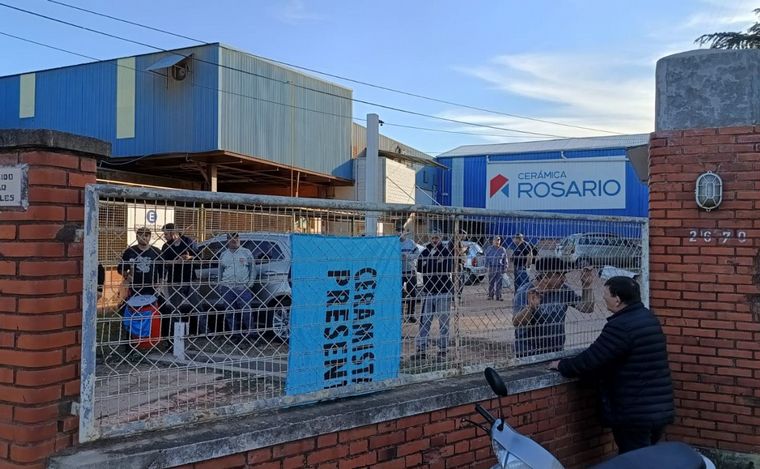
[
  {"x": 236, "y": 275},
  {"x": 436, "y": 264},
  {"x": 496, "y": 261}
]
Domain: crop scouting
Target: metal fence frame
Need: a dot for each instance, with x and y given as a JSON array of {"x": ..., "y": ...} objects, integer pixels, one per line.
[{"x": 88, "y": 429}]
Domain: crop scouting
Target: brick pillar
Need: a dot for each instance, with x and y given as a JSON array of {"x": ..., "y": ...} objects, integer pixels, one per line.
[
  {"x": 40, "y": 294},
  {"x": 705, "y": 272}
]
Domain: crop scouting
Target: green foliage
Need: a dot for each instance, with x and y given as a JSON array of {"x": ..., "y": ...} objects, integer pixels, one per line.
[{"x": 733, "y": 40}]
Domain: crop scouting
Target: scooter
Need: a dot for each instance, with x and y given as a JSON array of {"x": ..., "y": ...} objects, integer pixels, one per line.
[{"x": 516, "y": 451}]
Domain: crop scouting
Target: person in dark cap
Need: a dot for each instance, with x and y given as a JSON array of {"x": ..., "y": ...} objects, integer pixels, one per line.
[
  {"x": 540, "y": 307},
  {"x": 177, "y": 253}
]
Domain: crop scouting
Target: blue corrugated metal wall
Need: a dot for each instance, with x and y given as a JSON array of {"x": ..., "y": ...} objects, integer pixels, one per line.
[
  {"x": 444, "y": 182},
  {"x": 475, "y": 170},
  {"x": 64, "y": 101},
  {"x": 170, "y": 116},
  {"x": 427, "y": 179},
  {"x": 175, "y": 116},
  {"x": 212, "y": 109},
  {"x": 538, "y": 230},
  {"x": 637, "y": 193}
]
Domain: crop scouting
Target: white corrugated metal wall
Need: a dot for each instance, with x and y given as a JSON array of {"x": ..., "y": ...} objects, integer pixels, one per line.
[{"x": 399, "y": 182}]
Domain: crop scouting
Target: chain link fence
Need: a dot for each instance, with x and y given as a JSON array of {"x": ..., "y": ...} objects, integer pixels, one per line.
[{"x": 208, "y": 304}]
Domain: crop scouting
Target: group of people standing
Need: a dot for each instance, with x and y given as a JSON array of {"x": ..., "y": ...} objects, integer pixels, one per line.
[
  {"x": 628, "y": 359},
  {"x": 523, "y": 255},
  {"x": 146, "y": 269},
  {"x": 435, "y": 262}
]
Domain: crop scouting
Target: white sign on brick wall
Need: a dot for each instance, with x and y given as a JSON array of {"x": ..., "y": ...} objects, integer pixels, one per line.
[{"x": 13, "y": 187}]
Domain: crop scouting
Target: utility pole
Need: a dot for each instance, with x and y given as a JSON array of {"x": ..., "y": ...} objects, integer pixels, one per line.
[{"x": 372, "y": 172}]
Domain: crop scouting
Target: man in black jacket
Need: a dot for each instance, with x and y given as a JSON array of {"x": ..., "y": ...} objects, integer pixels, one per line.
[
  {"x": 177, "y": 256},
  {"x": 630, "y": 361},
  {"x": 436, "y": 265}
]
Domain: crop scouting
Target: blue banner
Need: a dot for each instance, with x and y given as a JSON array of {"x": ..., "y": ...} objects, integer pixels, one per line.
[{"x": 345, "y": 318}]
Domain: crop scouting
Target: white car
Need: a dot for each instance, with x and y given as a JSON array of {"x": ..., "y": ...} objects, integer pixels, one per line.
[
  {"x": 271, "y": 288},
  {"x": 599, "y": 249}
]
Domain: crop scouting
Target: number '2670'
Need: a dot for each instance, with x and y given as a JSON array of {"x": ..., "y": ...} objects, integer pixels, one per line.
[{"x": 719, "y": 236}]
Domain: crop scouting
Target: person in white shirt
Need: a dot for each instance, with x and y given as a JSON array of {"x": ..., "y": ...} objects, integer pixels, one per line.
[{"x": 236, "y": 275}]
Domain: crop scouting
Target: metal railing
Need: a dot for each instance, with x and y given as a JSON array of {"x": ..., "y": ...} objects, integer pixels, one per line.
[{"x": 187, "y": 326}]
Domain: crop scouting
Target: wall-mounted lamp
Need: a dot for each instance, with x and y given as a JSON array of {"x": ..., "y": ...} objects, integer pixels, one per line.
[{"x": 709, "y": 191}]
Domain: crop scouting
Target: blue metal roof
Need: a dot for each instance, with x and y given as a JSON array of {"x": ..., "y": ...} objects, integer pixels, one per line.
[
  {"x": 564, "y": 144},
  {"x": 231, "y": 101},
  {"x": 469, "y": 186}
]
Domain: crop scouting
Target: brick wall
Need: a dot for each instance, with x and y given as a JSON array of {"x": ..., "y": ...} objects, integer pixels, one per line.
[
  {"x": 40, "y": 307},
  {"x": 705, "y": 270},
  {"x": 562, "y": 418}
]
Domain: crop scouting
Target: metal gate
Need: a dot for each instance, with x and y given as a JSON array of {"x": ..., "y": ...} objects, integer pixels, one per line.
[{"x": 199, "y": 347}]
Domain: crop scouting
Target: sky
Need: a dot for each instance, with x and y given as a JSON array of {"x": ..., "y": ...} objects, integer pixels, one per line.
[{"x": 588, "y": 63}]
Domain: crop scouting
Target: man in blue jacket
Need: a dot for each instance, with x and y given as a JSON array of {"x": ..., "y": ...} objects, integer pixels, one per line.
[{"x": 629, "y": 359}]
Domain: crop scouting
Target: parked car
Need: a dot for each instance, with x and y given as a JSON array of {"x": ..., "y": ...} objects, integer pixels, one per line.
[
  {"x": 475, "y": 263},
  {"x": 271, "y": 288},
  {"x": 600, "y": 249}
]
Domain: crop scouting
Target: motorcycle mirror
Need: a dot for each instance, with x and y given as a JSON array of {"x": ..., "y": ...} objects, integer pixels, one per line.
[{"x": 495, "y": 381}]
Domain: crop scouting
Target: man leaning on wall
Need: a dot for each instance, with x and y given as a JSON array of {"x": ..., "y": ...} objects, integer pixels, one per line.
[
  {"x": 629, "y": 360},
  {"x": 540, "y": 307}
]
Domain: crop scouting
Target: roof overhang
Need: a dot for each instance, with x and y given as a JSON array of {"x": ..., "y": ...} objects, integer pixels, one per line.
[
  {"x": 232, "y": 168},
  {"x": 639, "y": 157},
  {"x": 392, "y": 155},
  {"x": 168, "y": 61}
]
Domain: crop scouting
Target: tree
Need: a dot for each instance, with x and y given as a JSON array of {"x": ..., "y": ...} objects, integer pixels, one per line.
[{"x": 729, "y": 40}]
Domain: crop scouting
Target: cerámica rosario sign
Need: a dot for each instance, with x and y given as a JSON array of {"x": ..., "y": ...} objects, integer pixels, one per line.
[{"x": 569, "y": 184}]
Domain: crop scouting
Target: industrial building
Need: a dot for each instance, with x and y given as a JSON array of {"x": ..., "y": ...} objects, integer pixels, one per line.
[
  {"x": 584, "y": 176},
  {"x": 403, "y": 171},
  {"x": 594, "y": 175},
  {"x": 208, "y": 117}
]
